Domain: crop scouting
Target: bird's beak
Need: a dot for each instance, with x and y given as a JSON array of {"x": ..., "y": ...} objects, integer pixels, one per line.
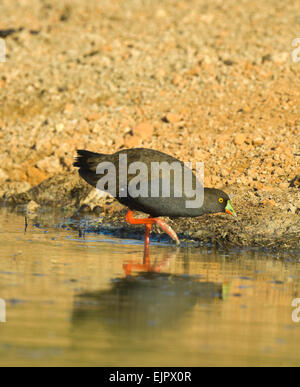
[{"x": 229, "y": 209}]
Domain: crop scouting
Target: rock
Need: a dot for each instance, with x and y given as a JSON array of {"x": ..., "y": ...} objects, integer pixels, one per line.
[
  {"x": 281, "y": 57},
  {"x": 44, "y": 146},
  {"x": 132, "y": 141},
  {"x": 268, "y": 188},
  {"x": 257, "y": 141},
  {"x": 49, "y": 165},
  {"x": 295, "y": 183},
  {"x": 59, "y": 127},
  {"x": 269, "y": 202},
  {"x": 144, "y": 130},
  {"x": 32, "y": 206},
  {"x": 69, "y": 108},
  {"x": 161, "y": 13},
  {"x": 239, "y": 139},
  {"x": 194, "y": 71},
  {"x": 172, "y": 118},
  {"x": 98, "y": 210},
  {"x": 292, "y": 208},
  {"x": 94, "y": 116},
  {"x": 84, "y": 209},
  {"x": 141, "y": 132},
  {"x": 116, "y": 208},
  {"x": 266, "y": 58},
  {"x": 65, "y": 190},
  {"x": 18, "y": 174},
  {"x": 3, "y": 175},
  {"x": 176, "y": 80},
  {"x": 35, "y": 176},
  {"x": 94, "y": 198},
  {"x": 284, "y": 185},
  {"x": 246, "y": 108},
  {"x": 7, "y": 190}
]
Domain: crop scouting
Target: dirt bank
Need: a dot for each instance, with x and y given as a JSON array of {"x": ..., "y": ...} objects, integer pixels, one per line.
[{"x": 265, "y": 218}]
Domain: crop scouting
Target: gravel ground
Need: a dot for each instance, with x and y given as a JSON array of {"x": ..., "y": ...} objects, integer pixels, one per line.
[{"x": 204, "y": 81}]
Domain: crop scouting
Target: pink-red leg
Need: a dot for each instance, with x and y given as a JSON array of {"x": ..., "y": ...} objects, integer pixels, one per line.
[
  {"x": 146, "y": 265},
  {"x": 148, "y": 222}
]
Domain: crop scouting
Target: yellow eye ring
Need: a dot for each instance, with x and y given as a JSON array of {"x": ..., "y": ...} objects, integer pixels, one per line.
[{"x": 221, "y": 200}]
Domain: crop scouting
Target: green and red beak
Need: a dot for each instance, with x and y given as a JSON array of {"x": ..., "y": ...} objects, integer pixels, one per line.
[{"x": 229, "y": 209}]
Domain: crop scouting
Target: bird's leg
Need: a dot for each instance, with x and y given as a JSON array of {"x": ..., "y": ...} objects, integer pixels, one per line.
[
  {"x": 147, "y": 242},
  {"x": 150, "y": 221},
  {"x": 146, "y": 265}
]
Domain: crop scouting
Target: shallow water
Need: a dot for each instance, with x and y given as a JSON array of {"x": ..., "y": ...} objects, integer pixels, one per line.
[{"x": 69, "y": 302}]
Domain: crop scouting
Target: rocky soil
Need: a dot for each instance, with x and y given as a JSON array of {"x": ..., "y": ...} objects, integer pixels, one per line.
[{"x": 204, "y": 81}]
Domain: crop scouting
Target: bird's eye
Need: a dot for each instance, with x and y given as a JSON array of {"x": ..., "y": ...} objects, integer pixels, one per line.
[{"x": 221, "y": 200}]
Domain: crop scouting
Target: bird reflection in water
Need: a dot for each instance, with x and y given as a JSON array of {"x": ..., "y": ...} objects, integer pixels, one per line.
[
  {"x": 148, "y": 300},
  {"x": 146, "y": 266}
]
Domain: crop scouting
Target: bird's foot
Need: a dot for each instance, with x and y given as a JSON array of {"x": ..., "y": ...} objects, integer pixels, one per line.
[
  {"x": 150, "y": 221},
  {"x": 168, "y": 229}
]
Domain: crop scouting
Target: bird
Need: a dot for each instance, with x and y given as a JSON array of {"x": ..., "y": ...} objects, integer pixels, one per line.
[{"x": 121, "y": 177}]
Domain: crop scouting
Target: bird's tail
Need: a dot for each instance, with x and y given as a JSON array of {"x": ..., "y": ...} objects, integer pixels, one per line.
[
  {"x": 87, "y": 163},
  {"x": 84, "y": 158}
]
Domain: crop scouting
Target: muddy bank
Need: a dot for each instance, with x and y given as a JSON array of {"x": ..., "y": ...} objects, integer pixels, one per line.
[{"x": 269, "y": 219}]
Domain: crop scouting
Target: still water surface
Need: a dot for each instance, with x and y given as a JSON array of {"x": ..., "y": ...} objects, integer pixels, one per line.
[{"x": 70, "y": 303}]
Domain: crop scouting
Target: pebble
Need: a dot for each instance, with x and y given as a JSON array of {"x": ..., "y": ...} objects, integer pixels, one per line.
[
  {"x": 239, "y": 139},
  {"x": 172, "y": 118},
  {"x": 3, "y": 175},
  {"x": 32, "y": 206}
]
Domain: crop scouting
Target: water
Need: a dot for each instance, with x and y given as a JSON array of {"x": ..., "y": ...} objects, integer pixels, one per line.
[{"x": 69, "y": 303}]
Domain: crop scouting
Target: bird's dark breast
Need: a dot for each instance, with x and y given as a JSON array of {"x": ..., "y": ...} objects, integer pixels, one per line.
[{"x": 171, "y": 206}]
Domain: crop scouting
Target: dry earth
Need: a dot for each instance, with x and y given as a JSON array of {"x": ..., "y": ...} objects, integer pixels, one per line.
[{"x": 204, "y": 81}]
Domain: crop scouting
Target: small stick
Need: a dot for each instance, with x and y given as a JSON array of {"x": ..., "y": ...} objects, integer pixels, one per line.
[{"x": 26, "y": 224}]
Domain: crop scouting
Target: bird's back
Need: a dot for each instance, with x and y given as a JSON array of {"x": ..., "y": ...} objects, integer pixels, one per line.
[{"x": 145, "y": 163}]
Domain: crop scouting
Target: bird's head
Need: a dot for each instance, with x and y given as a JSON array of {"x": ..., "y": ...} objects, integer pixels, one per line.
[{"x": 216, "y": 201}]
